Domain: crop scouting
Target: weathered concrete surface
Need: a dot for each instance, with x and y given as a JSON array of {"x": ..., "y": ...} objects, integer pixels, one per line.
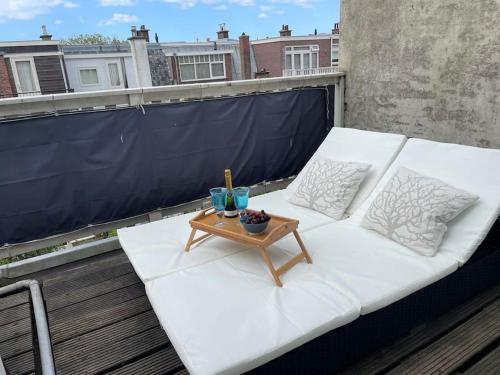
[{"x": 424, "y": 68}]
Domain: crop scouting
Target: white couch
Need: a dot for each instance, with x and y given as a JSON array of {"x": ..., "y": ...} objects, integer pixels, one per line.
[{"x": 218, "y": 304}]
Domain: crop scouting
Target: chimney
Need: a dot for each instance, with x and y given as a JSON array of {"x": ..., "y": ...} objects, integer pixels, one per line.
[
  {"x": 143, "y": 32},
  {"x": 45, "y": 35},
  {"x": 285, "y": 31},
  {"x": 263, "y": 73},
  {"x": 336, "y": 29},
  {"x": 246, "y": 67},
  {"x": 223, "y": 33},
  {"x": 139, "y": 50}
]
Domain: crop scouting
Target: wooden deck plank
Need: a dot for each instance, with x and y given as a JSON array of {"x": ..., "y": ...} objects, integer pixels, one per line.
[
  {"x": 116, "y": 353},
  {"x": 161, "y": 362},
  {"x": 98, "y": 339},
  {"x": 20, "y": 364},
  {"x": 387, "y": 357},
  {"x": 92, "y": 305},
  {"x": 452, "y": 350},
  {"x": 66, "y": 329},
  {"x": 87, "y": 276},
  {"x": 67, "y": 272},
  {"x": 58, "y": 300},
  {"x": 14, "y": 313},
  {"x": 109, "y": 340},
  {"x": 488, "y": 365},
  {"x": 11, "y": 330},
  {"x": 14, "y": 300},
  {"x": 17, "y": 345}
]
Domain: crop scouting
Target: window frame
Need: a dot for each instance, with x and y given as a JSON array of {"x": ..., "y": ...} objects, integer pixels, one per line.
[
  {"x": 34, "y": 75},
  {"x": 88, "y": 68},
  {"x": 332, "y": 50},
  {"x": 302, "y": 50},
  {"x": 222, "y": 61}
]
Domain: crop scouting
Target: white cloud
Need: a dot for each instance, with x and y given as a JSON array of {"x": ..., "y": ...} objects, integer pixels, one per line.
[
  {"x": 268, "y": 10},
  {"x": 220, "y": 4},
  {"x": 116, "y": 3},
  {"x": 243, "y": 3},
  {"x": 185, "y": 4},
  {"x": 29, "y": 9},
  {"x": 58, "y": 22},
  {"x": 119, "y": 18},
  {"x": 299, "y": 3},
  {"x": 70, "y": 4}
]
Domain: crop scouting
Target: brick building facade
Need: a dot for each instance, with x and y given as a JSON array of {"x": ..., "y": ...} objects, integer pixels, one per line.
[
  {"x": 5, "y": 82},
  {"x": 296, "y": 54}
]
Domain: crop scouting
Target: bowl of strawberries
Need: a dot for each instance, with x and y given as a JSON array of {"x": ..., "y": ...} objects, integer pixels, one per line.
[{"x": 255, "y": 222}]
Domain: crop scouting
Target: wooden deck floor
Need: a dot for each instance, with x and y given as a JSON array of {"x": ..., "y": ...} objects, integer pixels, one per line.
[{"x": 102, "y": 323}]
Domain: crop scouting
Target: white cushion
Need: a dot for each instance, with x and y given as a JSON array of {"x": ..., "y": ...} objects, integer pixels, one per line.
[
  {"x": 361, "y": 146},
  {"x": 413, "y": 210},
  {"x": 222, "y": 320},
  {"x": 235, "y": 301},
  {"x": 368, "y": 267},
  {"x": 468, "y": 168},
  {"x": 329, "y": 186},
  {"x": 156, "y": 249}
]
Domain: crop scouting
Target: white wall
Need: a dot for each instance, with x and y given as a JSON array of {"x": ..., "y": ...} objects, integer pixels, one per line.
[{"x": 100, "y": 63}]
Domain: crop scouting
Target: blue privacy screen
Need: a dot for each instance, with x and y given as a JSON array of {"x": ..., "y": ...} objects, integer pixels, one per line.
[{"x": 61, "y": 173}]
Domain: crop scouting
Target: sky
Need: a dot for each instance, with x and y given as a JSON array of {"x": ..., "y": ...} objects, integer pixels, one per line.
[{"x": 173, "y": 20}]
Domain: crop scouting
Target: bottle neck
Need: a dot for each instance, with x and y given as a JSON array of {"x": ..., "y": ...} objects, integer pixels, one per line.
[{"x": 228, "y": 178}]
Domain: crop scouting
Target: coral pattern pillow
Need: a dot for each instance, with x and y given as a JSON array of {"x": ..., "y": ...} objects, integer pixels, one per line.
[
  {"x": 413, "y": 210},
  {"x": 329, "y": 186}
]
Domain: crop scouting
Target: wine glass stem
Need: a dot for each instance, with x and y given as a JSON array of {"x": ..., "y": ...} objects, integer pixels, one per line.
[{"x": 219, "y": 217}]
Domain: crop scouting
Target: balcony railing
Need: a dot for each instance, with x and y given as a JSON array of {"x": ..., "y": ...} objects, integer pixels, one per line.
[
  {"x": 309, "y": 72},
  {"x": 21, "y": 107},
  {"x": 105, "y": 99}
]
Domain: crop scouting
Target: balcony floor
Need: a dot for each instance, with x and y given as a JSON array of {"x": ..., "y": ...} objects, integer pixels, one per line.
[{"x": 102, "y": 323}]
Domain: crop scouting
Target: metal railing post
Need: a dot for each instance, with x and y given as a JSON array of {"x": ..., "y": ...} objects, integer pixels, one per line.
[
  {"x": 42, "y": 328},
  {"x": 338, "y": 120}
]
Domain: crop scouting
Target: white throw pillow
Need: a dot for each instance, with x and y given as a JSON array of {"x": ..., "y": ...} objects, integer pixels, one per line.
[
  {"x": 329, "y": 186},
  {"x": 413, "y": 210}
]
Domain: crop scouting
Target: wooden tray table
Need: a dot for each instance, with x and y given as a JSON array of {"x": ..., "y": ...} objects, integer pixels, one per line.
[{"x": 278, "y": 228}]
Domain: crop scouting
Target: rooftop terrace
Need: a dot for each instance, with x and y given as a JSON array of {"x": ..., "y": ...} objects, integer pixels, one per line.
[{"x": 407, "y": 75}]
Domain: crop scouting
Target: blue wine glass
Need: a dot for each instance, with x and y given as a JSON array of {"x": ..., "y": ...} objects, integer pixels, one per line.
[
  {"x": 219, "y": 196},
  {"x": 241, "y": 199}
]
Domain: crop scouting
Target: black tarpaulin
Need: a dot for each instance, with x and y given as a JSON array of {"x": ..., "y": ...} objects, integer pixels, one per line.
[{"x": 61, "y": 173}]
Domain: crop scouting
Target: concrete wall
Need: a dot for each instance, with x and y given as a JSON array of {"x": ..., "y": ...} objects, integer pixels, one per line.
[{"x": 425, "y": 68}]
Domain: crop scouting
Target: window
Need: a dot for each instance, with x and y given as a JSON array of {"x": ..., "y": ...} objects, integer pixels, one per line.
[
  {"x": 88, "y": 76},
  {"x": 301, "y": 57},
  {"x": 25, "y": 76},
  {"x": 335, "y": 53},
  {"x": 114, "y": 74},
  {"x": 201, "y": 67}
]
